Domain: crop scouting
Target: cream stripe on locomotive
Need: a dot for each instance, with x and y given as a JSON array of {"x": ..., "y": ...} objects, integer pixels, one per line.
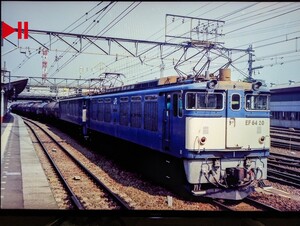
[
  {"x": 208, "y": 133},
  {"x": 230, "y": 133}
]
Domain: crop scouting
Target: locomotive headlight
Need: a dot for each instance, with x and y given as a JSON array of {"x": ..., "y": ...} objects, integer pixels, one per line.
[
  {"x": 211, "y": 84},
  {"x": 262, "y": 139},
  {"x": 202, "y": 140},
  {"x": 256, "y": 85}
]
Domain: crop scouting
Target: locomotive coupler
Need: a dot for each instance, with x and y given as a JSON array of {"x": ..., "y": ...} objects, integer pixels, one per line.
[{"x": 235, "y": 176}]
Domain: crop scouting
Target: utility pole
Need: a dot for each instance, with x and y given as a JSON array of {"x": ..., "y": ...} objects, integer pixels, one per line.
[{"x": 250, "y": 61}]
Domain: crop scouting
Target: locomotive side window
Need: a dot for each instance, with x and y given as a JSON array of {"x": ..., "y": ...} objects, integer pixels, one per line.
[
  {"x": 124, "y": 111},
  {"x": 203, "y": 101},
  {"x": 257, "y": 102},
  {"x": 136, "y": 112},
  {"x": 100, "y": 110},
  {"x": 180, "y": 105},
  {"x": 94, "y": 110},
  {"x": 191, "y": 101},
  {"x": 107, "y": 110},
  {"x": 151, "y": 113},
  {"x": 177, "y": 105},
  {"x": 72, "y": 107},
  {"x": 66, "y": 107},
  {"x": 235, "y": 102}
]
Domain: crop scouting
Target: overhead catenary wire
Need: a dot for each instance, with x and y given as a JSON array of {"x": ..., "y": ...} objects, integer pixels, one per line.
[
  {"x": 236, "y": 11},
  {"x": 87, "y": 29},
  {"x": 53, "y": 41},
  {"x": 261, "y": 21},
  {"x": 256, "y": 13},
  {"x": 252, "y": 5},
  {"x": 101, "y": 32},
  {"x": 123, "y": 60}
]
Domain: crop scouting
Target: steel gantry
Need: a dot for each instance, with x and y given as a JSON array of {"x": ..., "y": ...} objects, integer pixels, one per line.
[{"x": 200, "y": 44}]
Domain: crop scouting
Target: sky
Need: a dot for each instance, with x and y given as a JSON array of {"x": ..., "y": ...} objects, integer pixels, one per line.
[{"x": 272, "y": 28}]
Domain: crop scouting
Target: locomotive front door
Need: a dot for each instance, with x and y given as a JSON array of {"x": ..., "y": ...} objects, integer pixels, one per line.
[{"x": 235, "y": 116}]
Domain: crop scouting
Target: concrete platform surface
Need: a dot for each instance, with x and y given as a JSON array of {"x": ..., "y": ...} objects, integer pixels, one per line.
[{"x": 24, "y": 184}]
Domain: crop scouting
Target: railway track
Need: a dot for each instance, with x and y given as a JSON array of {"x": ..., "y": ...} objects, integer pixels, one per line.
[
  {"x": 146, "y": 202},
  {"x": 285, "y": 138},
  {"x": 285, "y": 160},
  {"x": 86, "y": 191},
  {"x": 247, "y": 204},
  {"x": 283, "y": 175},
  {"x": 284, "y": 169}
]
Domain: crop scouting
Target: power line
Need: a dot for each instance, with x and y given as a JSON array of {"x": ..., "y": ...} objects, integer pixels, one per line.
[
  {"x": 36, "y": 52},
  {"x": 92, "y": 25},
  {"x": 261, "y": 21},
  {"x": 125, "y": 58},
  {"x": 247, "y": 16},
  {"x": 214, "y": 8},
  {"x": 85, "y": 16},
  {"x": 236, "y": 11},
  {"x": 103, "y": 31},
  {"x": 111, "y": 24}
]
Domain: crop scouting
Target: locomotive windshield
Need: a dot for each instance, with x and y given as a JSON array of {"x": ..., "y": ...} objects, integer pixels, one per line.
[
  {"x": 203, "y": 100},
  {"x": 257, "y": 102}
]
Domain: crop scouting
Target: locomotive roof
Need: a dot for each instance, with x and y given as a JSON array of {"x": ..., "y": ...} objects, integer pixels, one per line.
[{"x": 173, "y": 83}]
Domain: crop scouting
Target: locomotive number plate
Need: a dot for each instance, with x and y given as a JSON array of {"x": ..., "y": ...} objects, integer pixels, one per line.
[{"x": 254, "y": 122}]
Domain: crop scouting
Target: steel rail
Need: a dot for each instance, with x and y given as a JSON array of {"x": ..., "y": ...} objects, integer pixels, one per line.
[
  {"x": 73, "y": 197},
  {"x": 289, "y": 157},
  {"x": 113, "y": 195},
  {"x": 255, "y": 202}
]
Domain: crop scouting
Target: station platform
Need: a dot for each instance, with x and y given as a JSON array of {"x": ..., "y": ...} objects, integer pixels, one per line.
[{"x": 24, "y": 184}]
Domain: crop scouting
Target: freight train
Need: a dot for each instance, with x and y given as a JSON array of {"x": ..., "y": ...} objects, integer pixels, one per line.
[{"x": 209, "y": 136}]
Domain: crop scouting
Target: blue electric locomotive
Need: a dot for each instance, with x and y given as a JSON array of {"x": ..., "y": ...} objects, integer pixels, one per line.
[{"x": 215, "y": 131}]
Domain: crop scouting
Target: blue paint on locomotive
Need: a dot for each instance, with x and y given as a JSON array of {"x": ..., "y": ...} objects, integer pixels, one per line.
[
  {"x": 146, "y": 129},
  {"x": 71, "y": 109},
  {"x": 210, "y": 130},
  {"x": 104, "y": 115}
]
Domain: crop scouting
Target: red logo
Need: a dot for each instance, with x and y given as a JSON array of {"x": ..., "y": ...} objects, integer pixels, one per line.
[{"x": 8, "y": 30}]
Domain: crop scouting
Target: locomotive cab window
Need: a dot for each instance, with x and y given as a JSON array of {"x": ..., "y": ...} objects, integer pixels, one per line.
[
  {"x": 257, "y": 102},
  {"x": 235, "y": 102},
  {"x": 203, "y": 101},
  {"x": 177, "y": 105}
]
